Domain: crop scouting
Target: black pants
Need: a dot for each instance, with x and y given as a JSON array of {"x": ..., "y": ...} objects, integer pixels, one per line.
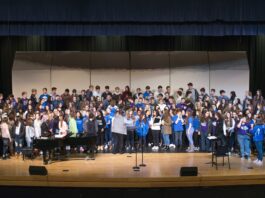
[
  {"x": 149, "y": 137},
  {"x": 45, "y": 157},
  {"x": 100, "y": 137},
  {"x": 118, "y": 142},
  {"x": 196, "y": 139},
  {"x": 155, "y": 134},
  {"x": 221, "y": 140}
]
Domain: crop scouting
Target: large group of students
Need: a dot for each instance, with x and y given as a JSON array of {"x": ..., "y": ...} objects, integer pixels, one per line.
[{"x": 158, "y": 120}]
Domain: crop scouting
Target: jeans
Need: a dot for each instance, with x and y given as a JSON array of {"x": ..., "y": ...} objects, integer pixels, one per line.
[
  {"x": 29, "y": 142},
  {"x": 107, "y": 135},
  {"x": 244, "y": 144},
  {"x": 5, "y": 146},
  {"x": 189, "y": 133},
  {"x": 259, "y": 147},
  {"x": 205, "y": 143},
  {"x": 130, "y": 138},
  {"x": 178, "y": 138},
  {"x": 18, "y": 144},
  {"x": 155, "y": 134},
  {"x": 166, "y": 139}
]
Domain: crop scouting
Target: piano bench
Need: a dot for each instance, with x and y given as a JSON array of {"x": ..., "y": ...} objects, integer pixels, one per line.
[{"x": 27, "y": 152}]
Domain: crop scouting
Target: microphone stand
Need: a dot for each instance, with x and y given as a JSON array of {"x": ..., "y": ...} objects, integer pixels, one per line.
[
  {"x": 136, "y": 167},
  {"x": 142, "y": 164}
]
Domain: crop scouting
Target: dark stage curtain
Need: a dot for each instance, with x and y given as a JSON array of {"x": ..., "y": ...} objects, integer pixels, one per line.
[
  {"x": 256, "y": 57},
  {"x": 7, "y": 53},
  {"x": 255, "y": 46},
  {"x": 131, "y": 17},
  {"x": 132, "y": 10}
]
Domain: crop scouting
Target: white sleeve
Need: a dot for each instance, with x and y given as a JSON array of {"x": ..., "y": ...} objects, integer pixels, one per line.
[
  {"x": 27, "y": 132},
  {"x": 224, "y": 128},
  {"x": 151, "y": 121},
  {"x": 233, "y": 124}
]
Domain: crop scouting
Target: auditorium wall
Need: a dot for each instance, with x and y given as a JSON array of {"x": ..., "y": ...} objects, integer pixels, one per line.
[{"x": 219, "y": 70}]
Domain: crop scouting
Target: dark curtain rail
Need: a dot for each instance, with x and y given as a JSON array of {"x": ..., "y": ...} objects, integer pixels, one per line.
[
  {"x": 131, "y": 17},
  {"x": 132, "y": 10}
]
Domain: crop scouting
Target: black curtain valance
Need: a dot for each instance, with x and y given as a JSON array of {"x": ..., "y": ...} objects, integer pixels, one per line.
[{"x": 132, "y": 17}]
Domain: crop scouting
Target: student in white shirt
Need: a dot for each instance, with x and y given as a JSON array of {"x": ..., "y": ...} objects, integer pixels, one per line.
[
  {"x": 30, "y": 132},
  {"x": 63, "y": 127},
  {"x": 155, "y": 124},
  {"x": 37, "y": 125}
]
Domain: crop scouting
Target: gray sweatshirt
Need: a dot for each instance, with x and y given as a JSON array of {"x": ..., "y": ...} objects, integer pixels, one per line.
[{"x": 118, "y": 125}]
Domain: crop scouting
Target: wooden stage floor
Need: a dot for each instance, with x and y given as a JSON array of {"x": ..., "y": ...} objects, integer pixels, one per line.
[{"x": 110, "y": 170}]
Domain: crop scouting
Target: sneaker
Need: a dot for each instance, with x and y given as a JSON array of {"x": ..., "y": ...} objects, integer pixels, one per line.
[
  {"x": 259, "y": 163},
  {"x": 191, "y": 150},
  {"x": 255, "y": 161},
  {"x": 188, "y": 149},
  {"x": 156, "y": 148},
  {"x": 149, "y": 144},
  {"x": 153, "y": 148},
  {"x": 166, "y": 148},
  {"x": 106, "y": 147},
  {"x": 172, "y": 145},
  {"x": 249, "y": 159},
  {"x": 242, "y": 158}
]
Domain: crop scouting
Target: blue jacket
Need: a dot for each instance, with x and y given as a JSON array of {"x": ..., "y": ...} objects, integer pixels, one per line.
[
  {"x": 196, "y": 123},
  {"x": 141, "y": 128},
  {"x": 112, "y": 111},
  {"x": 79, "y": 124},
  {"x": 190, "y": 121},
  {"x": 177, "y": 127},
  {"x": 108, "y": 119},
  {"x": 258, "y": 133},
  {"x": 146, "y": 94},
  {"x": 140, "y": 105}
]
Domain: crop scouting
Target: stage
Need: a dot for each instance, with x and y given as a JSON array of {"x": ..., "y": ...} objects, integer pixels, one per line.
[{"x": 115, "y": 171}]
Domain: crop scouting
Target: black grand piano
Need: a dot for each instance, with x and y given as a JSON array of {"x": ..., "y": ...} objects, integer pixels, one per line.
[{"x": 49, "y": 145}]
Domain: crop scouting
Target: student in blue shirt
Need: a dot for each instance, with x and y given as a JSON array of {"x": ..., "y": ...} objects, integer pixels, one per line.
[
  {"x": 142, "y": 127},
  {"x": 44, "y": 97},
  {"x": 223, "y": 96},
  {"x": 205, "y": 131},
  {"x": 178, "y": 128},
  {"x": 140, "y": 104},
  {"x": 24, "y": 101},
  {"x": 147, "y": 92},
  {"x": 243, "y": 138},
  {"x": 79, "y": 122},
  {"x": 190, "y": 130},
  {"x": 258, "y": 138},
  {"x": 197, "y": 128},
  {"x": 108, "y": 137}
]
